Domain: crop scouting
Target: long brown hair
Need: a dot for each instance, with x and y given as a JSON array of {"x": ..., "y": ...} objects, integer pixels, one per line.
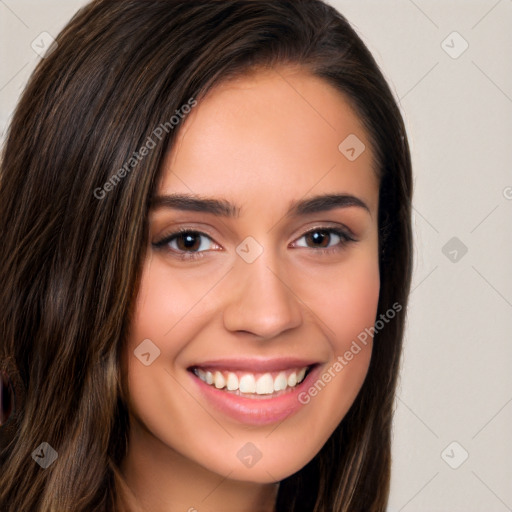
[{"x": 70, "y": 263}]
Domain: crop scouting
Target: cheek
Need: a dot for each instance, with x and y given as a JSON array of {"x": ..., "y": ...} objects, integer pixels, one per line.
[
  {"x": 356, "y": 300},
  {"x": 165, "y": 315},
  {"x": 345, "y": 297},
  {"x": 167, "y": 303},
  {"x": 169, "y": 313}
]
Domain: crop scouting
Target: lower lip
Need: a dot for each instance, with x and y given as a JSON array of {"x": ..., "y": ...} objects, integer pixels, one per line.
[{"x": 258, "y": 410}]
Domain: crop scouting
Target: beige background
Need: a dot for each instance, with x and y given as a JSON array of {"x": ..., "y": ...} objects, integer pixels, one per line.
[{"x": 456, "y": 379}]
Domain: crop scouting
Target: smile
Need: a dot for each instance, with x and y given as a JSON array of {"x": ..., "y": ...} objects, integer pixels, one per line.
[
  {"x": 252, "y": 383},
  {"x": 252, "y": 391}
]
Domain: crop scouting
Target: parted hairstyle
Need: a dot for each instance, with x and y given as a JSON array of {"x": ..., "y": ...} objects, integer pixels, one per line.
[{"x": 70, "y": 262}]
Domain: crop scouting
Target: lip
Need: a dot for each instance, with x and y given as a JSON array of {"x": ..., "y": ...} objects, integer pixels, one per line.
[
  {"x": 252, "y": 365},
  {"x": 258, "y": 410}
]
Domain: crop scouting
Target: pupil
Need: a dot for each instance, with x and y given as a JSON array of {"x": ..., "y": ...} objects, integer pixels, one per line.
[
  {"x": 190, "y": 240},
  {"x": 319, "y": 237}
]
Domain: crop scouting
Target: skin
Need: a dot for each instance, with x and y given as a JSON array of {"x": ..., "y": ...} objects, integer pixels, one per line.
[{"x": 260, "y": 142}]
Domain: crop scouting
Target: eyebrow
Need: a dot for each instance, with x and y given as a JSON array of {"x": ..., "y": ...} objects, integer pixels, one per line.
[{"x": 224, "y": 208}]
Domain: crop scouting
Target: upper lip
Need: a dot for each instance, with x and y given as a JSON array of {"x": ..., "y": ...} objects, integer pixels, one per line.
[{"x": 256, "y": 365}]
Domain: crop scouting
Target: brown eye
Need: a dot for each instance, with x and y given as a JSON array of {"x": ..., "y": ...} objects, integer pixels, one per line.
[
  {"x": 190, "y": 241},
  {"x": 318, "y": 238},
  {"x": 325, "y": 238},
  {"x": 186, "y": 242}
]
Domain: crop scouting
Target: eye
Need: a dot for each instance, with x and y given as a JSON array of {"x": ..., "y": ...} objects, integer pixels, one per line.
[
  {"x": 326, "y": 239},
  {"x": 189, "y": 244},
  {"x": 186, "y": 243}
]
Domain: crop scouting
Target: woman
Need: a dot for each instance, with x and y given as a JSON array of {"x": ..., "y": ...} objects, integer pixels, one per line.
[{"x": 205, "y": 218}]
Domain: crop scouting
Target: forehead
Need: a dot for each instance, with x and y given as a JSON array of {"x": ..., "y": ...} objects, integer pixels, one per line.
[{"x": 279, "y": 129}]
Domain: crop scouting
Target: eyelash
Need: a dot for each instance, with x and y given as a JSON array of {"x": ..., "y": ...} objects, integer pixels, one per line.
[{"x": 345, "y": 239}]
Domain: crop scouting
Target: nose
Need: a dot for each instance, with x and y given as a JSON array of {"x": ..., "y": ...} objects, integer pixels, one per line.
[{"x": 260, "y": 300}]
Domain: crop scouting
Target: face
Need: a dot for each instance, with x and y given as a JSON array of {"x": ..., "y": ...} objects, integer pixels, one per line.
[{"x": 261, "y": 272}]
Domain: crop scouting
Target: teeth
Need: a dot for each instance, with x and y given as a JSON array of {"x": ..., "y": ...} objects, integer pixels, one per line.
[
  {"x": 232, "y": 383},
  {"x": 220, "y": 382},
  {"x": 247, "y": 384},
  {"x": 280, "y": 382},
  {"x": 265, "y": 384}
]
